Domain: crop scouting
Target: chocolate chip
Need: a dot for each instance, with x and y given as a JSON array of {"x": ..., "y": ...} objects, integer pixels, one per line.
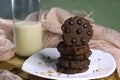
[
  {"x": 78, "y": 31},
  {"x": 83, "y": 40},
  {"x": 89, "y": 33},
  {"x": 85, "y": 25},
  {"x": 71, "y": 22},
  {"x": 73, "y": 40},
  {"x": 67, "y": 30},
  {"x": 79, "y": 22}
]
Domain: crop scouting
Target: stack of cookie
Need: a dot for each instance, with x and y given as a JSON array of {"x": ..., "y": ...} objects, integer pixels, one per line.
[{"x": 74, "y": 49}]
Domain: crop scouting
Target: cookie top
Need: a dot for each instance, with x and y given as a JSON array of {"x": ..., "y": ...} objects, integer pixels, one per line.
[{"x": 77, "y": 31}]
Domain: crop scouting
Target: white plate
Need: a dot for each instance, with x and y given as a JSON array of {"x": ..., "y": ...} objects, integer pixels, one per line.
[{"x": 43, "y": 64}]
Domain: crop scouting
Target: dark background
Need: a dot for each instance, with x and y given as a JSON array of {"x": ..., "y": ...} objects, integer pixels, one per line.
[{"x": 105, "y": 12}]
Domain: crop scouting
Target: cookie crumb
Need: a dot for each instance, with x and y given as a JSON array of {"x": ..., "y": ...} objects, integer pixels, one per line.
[
  {"x": 39, "y": 62},
  {"x": 48, "y": 57},
  {"x": 99, "y": 59},
  {"x": 59, "y": 73},
  {"x": 49, "y": 72},
  {"x": 43, "y": 73},
  {"x": 67, "y": 75},
  {"x": 97, "y": 70}
]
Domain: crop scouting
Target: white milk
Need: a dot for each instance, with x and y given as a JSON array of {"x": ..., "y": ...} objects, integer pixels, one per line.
[{"x": 28, "y": 38}]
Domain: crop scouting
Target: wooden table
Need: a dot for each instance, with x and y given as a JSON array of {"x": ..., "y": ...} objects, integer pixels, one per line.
[{"x": 14, "y": 65}]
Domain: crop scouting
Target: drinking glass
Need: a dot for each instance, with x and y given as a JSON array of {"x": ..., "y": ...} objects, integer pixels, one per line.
[{"x": 27, "y": 32}]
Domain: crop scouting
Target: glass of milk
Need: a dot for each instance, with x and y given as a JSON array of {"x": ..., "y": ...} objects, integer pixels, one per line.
[{"x": 27, "y": 29}]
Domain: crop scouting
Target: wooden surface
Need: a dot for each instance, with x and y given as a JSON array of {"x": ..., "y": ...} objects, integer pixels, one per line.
[{"x": 14, "y": 65}]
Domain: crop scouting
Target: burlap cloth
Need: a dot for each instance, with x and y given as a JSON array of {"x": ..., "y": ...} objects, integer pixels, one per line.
[{"x": 104, "y": 38}]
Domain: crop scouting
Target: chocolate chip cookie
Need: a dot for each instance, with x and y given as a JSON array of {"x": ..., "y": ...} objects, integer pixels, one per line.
[
  {"x": 72, "y": 49},
  {"x": 77, "y": 31},
  {"x": 79, "y": 64},
  {"x": 70, "y": 70}
]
